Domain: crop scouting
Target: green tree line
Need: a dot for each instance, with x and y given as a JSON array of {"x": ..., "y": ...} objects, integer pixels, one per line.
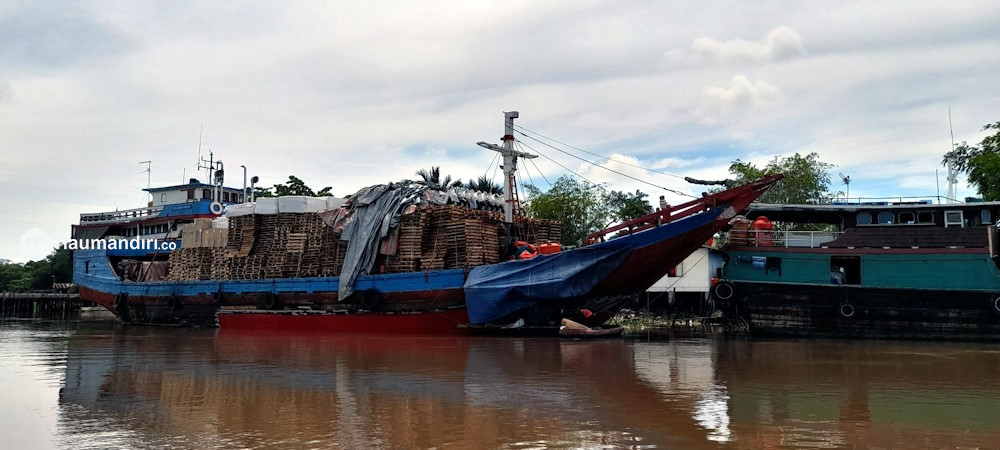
[
  {"x": 980, "y": 163},
  {"x": 36, "y": 275}
]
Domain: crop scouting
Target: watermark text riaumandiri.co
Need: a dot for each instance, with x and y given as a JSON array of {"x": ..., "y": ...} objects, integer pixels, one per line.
[
  {"x": 120, "y": 244},
  {"x": 37, "y": 244}
]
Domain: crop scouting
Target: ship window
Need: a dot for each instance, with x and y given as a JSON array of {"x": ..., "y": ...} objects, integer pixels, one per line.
[
  {"x": 984, "y": 216},
  {"x": 205, "y": 193},
  {"x": 885, "y": 217},
  {"x": 925, "y": 217},
  {"x": 906, "y": 217},
  {"x": 190, "y": 194},
  {"x": 163, "y": 197},
  {"x": 953, "y": 218},
  {"x": 864, "y": 218}
]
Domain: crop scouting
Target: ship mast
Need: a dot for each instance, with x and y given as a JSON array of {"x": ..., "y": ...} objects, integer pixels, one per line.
[{"x": 511, "y": 205}]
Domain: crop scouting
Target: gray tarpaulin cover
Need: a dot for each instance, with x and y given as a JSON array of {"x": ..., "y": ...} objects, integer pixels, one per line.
[{"x": 376, "y": 210}]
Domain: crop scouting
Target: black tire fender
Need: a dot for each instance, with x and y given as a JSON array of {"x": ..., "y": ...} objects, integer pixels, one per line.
[
  {"x": 847, "y": 310},
  {"x": 994, "y": 305},
  {"x": 174, "y": 302},
  {"x": 371, "y": 299},
  {"x": 270, "y": 301},
  {"x": 724, "y": 291},
  {"x": 217, "y": 297},
  {"x": 121, "y": 300}
]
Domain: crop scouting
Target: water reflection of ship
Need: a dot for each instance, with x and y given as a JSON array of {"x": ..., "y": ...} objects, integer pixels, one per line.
[{"x": 247, "y": 391}]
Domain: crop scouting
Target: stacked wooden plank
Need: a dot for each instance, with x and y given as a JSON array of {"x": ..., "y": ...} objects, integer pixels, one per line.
[
  {"x": 198, "y": 263},
  {"x": 482, "y": 246},
  {"x": 310, "y": 261},
  {"x": 540, "y": 231},
  {"x": 332, "y": 253},
  {"x": 287, "y": 245},
  {"x": 248, "y": 267},
  {"x": 413, "y": 232},
  {"x": 242, "y": 232}
]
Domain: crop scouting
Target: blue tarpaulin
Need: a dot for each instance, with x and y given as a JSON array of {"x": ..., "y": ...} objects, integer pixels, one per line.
[{"x": 496, "y": 290}]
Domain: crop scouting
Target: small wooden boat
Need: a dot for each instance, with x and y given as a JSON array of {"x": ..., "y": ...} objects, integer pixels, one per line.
[
  {"x": 591, "y": 333},
  {"x": 573, "y": 329}
]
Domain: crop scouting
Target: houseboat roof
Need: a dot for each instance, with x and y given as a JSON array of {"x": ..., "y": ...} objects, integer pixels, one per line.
[
  {"x": 836, "y": 213},
  {"x": 187, "y": 186}
]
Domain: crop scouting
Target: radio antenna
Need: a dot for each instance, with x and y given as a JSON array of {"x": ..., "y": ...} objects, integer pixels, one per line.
[
  {"x": 148, "y": 172},
  {"x": 200, "y": 129},
  {"x": 847, "y": 181}
]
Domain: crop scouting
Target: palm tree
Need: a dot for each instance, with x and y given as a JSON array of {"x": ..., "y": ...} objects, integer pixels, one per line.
[
  {"x": 484, "y": 185},
  {"x": 433, "y": 178}
]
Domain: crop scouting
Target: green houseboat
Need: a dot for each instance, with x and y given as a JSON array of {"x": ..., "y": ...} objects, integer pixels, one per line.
[{"x": 889, "y": 270}]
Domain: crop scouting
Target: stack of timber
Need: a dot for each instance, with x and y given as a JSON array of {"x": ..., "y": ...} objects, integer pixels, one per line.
[
  {"x": 202, "y": 255},
  {"x": 198, "y": 263},
  {"x": 541, "y": 231},
  {"x": 292, "y": 245},
  {"x": 332, "y": 253}
]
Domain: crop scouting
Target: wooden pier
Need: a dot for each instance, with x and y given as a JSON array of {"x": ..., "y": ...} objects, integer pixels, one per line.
[{"x": 41, "y": 305}]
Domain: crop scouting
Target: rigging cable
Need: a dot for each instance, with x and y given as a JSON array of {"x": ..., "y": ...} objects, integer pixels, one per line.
[
  {"x": 525, "y": 165},
  {"x": 564, "y": 167},
  {"x": 605, "y": 168},
  {"x": 495, "y": 167},
  {"x": 522, "y": 130},
  {"x": 540, "y": 172},
  {"x": 492, "y": 161}
]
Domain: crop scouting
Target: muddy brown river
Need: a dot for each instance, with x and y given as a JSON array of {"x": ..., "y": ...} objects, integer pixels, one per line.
[{"x": 107, "y": 386}]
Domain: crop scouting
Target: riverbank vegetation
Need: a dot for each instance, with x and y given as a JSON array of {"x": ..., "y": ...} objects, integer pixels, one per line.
[
  {"x": 36, "y": 275},
  {"x": 981, "y": 163}
]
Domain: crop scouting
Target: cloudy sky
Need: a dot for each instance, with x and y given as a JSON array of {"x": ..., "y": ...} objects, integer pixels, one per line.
[{"x": 352, "y": 93}]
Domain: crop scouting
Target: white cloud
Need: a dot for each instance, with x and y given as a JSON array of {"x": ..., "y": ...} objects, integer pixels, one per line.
[
  {"x": 671, "y": 163},
  {"x": 351, "y": 94},
  {"x": 742, "y": 92},
  {"x": 627, "y": 175},
  {"x": 5, "y": 93},
  {"x": 780, "y": 43}
]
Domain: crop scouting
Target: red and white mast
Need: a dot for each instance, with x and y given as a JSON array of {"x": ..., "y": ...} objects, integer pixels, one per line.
[{"x": 511, "y": 204}]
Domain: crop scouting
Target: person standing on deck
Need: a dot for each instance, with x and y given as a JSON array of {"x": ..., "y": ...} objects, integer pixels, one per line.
[{"x": 837, "y": 276}]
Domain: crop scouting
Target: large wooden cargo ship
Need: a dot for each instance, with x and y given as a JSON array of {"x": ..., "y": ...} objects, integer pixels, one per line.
[
  {"x": 404, "y": 257},
  {"x": 890, "y": 270}
]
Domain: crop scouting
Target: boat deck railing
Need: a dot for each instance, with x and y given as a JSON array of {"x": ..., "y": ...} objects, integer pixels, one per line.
[
  {"x": 126, "y": 215},
  {"x": 774, "y": 238}
]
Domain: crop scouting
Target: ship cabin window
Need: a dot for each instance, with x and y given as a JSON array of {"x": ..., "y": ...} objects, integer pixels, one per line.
[
  {"x": 190, "y": 193},
  {"x": 864, "y": 218},
  {"x": 984, "y": 216},
  {"x": 885, "y": 217},
  {"x": 205, "y": 193},
  {"x": 925, "y": 217},
  {"x": 163, "y": 197},
  {"x": 907, "y": 217},
  {"x": 845, "y": 270},
  {"x": 953, "y": 219}
]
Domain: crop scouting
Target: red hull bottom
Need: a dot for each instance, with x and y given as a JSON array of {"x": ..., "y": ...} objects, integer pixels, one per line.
[{"x": 426, "y": 323}]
